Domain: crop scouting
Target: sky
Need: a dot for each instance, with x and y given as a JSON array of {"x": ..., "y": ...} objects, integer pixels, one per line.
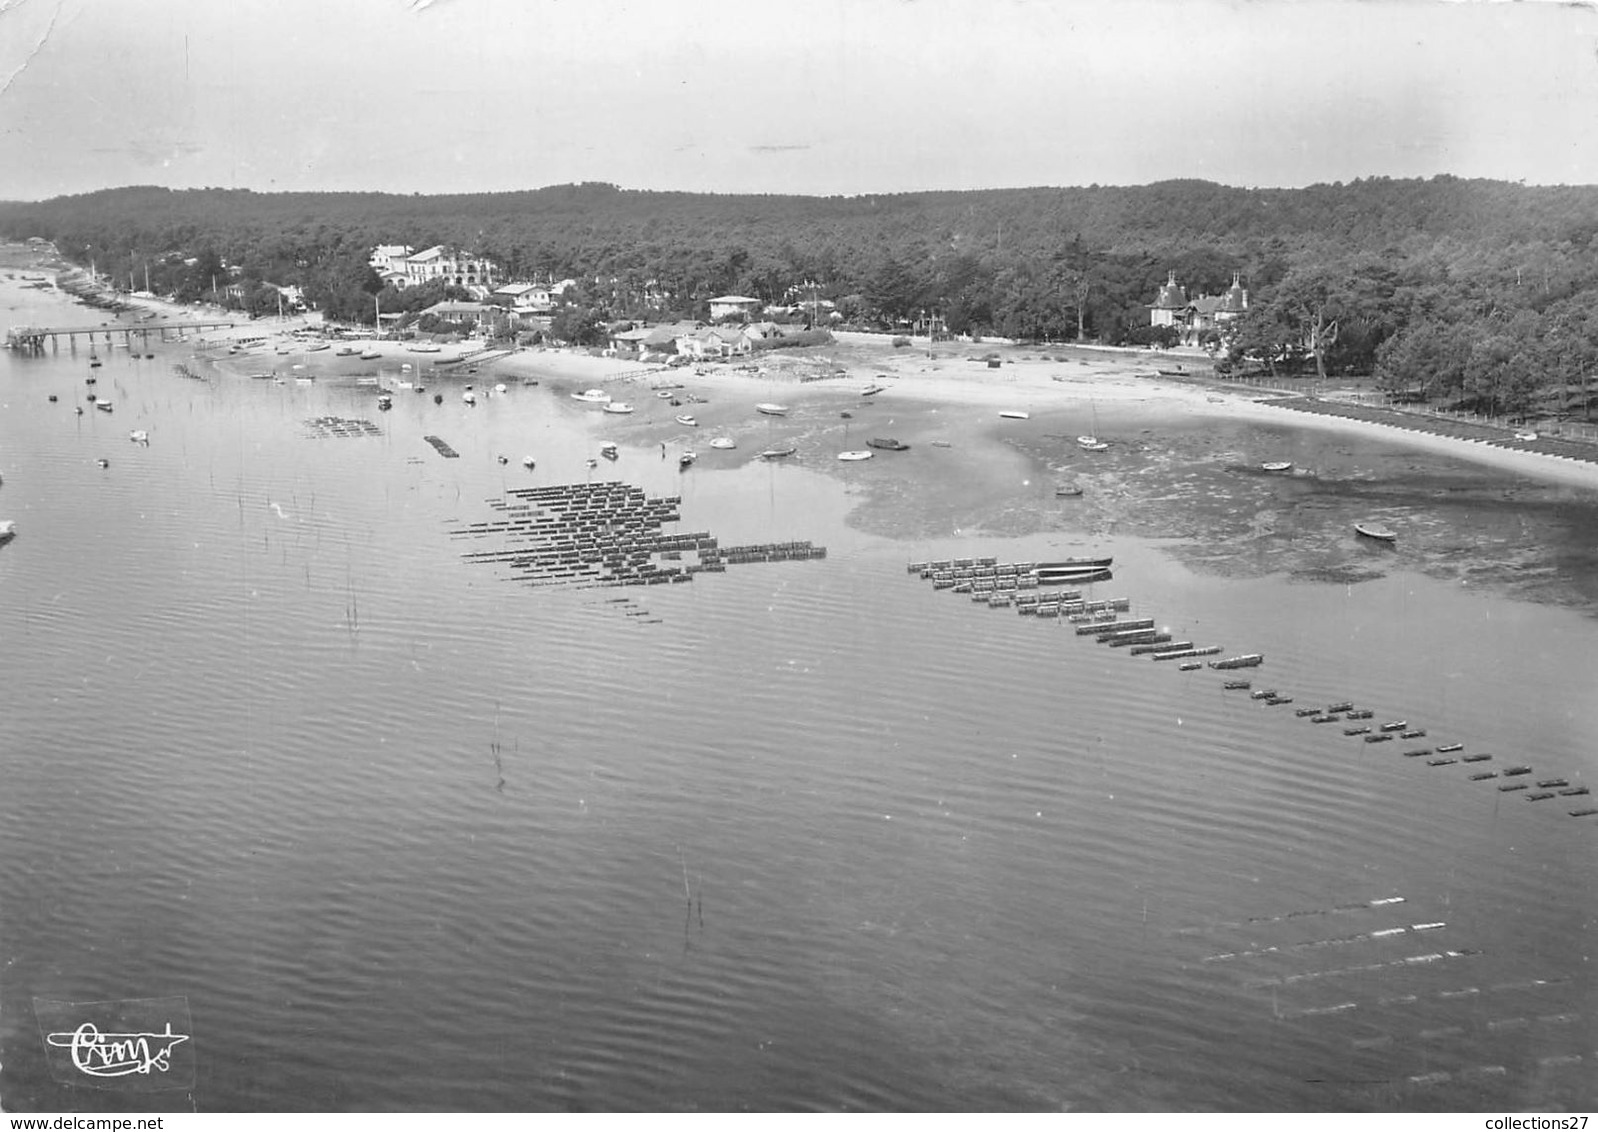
[{"x": 825, "y": 97}]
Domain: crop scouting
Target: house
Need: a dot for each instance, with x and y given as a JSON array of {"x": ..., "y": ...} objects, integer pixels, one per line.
[
  {"x": 1196, "y": 317},
  {"x": 523, "y": 298},
  {"x": 387, "y": 258},
  {"x": 714, "y": 342},
  {"x": 728, "y": 306},
  {"x": 1170, "y": 305}
]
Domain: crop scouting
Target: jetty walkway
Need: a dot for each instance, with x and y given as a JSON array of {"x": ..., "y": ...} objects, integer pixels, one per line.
[{"x": 31, "y": 339}]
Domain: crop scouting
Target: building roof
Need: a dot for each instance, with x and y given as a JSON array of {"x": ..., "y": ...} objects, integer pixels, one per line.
[
  {"x": 738, "y": 299},
  {"x": 431, "y": 253},
  {"x": 445, "y": 309},
  {"x": 515, "y": 289}
]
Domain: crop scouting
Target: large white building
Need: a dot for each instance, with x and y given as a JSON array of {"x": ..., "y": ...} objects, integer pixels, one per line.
[{"x": 400, "y": 267}]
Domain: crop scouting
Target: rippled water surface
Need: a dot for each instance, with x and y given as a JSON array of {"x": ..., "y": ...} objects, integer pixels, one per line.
[{"x": 802, "y": 835}]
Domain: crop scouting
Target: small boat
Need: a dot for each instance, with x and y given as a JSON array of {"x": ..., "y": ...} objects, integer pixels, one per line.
[
  {"x": 1277, "y": 466},
  {"x": 686, "y": 459},
  {"x": 8, "y": 530},
  {"x": 314, "y": 346},
  {"x": 1376, "y": 531},
  {"x": 618, "y": 407},
  {"x": 687, "y": 419},
  {"x": 385, "y": 402},
  {"x": 609, "y": 451},
  {"x": 1067, "y": 491},
  {"x": 888, "y": 443},
  {"x": 1189, "y": 666},
  {"x": 1248, "y": 660},
  {"x": 469, "y": 397},
  {"x": 778, "y": 453},
  {"x": 1452, "y": 747},
  {"x": 772, "y": 410},
  {"x": 370, "y": 355},
  {"x": 1073, "y": 565},
  {"x": 1091, "y": 444},
  {"x": 1016, "y": 414},
  {"x": 346, "y": 352},
  {"x": 855, "y": 454},
  {"x": 873, "y": 390},
  {"x": 592, "y": 397},
  {"x": 724, "y": 442},
  {"x": 103, "y": 406},
  {"x": 528, "y": 462},
  {"x": 1525, "y": 434},
  {"x": 1235, "y": 685},
  {"x": 423, "y": 347},
  {"x": 139, "y": 436}
]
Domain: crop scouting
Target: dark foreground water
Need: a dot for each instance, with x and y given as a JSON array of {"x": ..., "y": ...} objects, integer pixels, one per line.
[{"x": 803, "y": 835}]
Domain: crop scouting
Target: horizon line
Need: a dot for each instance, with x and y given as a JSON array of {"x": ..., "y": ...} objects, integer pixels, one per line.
[{"x": 1521, "y": 182}]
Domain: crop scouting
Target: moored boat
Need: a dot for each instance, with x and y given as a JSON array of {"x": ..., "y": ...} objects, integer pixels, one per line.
[
  {"x": 771, "y": 409},
  {"x": 1015, "y": 414},
  {"x": 609, "y": 451},
  {"x": 855, "y": 454},
  {"x": 592, "y": 397},
  {"x": 1067, "y": 490},
  {"x": 724, "y": 442},
  {"x": 888, "y": 443},
  {"x": 778, "y": 453},
  {"x": 1277, "y": 466},
  {"x": 1248, "y": 660},
  {"x": 618, "y": 407},
  {"x": 371, "y": 355},
  {"x": 687, "y": 419},
  {"x": 8, "y": 530},
  {"x": 1376, "y": 531},
  {"x": 686, "y": 458}
]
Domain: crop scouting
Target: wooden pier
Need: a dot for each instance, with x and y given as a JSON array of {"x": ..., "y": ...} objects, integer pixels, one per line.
[{"x": 31, "y": 339}]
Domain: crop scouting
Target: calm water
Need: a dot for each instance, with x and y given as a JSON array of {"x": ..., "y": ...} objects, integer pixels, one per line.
[{"x": 803, "y": 835}]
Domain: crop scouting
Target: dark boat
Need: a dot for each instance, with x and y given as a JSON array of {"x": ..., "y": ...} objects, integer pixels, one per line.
[
  {"x": 1249, "y": 660},
  {"x": 888, "y": 443},
  {"x": 1233, "y": 685},
  {"x": 1074, "y": 565},
  {"x": 1452, "y": 747},
  {"x": 1067, "y": 491}
]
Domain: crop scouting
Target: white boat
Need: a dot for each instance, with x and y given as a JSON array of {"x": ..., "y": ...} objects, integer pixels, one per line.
[
  {"x": 8, "y": 530},
  {"x": 528, "y": 462},
  {"x": 772, "y": 410},
  {"x": 500, "y": 388},
  {"x": 856, "y": 454},
  {"x": 1277, "y": 466},
  {"x": 314, "y": 346},
  {"x": 685, "y": 419},
  {"x": 592, "y": 397},
  {"x": 1376, "y": 531},
  {"x": 609, "y": 451},
  {"x": 724, "y": 442},
  {"x": 370, "y": 355},
  {"x": 618, "y": 407},
  {"x": 424, "y": 347},
  {"x": 1016, "y": 414},
  {"x": 686, "y": 458},
  {"x": 139, "y": 436},
  {"x": 1091, "y": 443},
  {"x": 469, "y": 397}
]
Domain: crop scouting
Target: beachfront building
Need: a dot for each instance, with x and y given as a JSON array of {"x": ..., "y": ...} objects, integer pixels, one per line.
[
  {"x": 730, "y": 306},
  {"x": 715, "y": 342},
  {"x": 523, "y": 298},
  {"x": 400, "y": 267},
  {"x": 1194, "y": 318}
]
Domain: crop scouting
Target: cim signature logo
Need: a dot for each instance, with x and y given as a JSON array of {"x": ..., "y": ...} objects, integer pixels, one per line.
[
  {"x": 118, "y": 1055},
  {"x": 141, "y": 1044}
]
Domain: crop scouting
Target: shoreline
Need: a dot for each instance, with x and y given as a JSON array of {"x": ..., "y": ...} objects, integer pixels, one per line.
[{"x": 1038, "y": 380}]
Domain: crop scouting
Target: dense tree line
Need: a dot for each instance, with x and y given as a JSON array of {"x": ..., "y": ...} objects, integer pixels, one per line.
[{"x": 1475, "y": 292}]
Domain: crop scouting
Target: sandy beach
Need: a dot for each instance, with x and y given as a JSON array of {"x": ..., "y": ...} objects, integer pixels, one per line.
[{"x": 1052, "y": 380}]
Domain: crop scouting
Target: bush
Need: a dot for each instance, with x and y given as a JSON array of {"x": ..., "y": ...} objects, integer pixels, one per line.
[{"x": 901, "y": 340}]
